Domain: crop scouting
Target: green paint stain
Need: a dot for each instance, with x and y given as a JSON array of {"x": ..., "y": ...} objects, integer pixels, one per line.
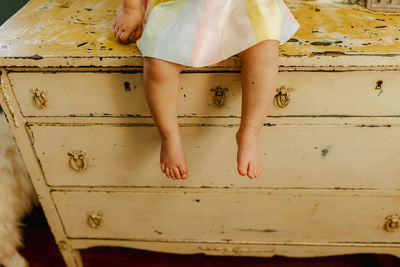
[
  {"x": 324, "y": 151},
  {"x": 267, "y": 231}
]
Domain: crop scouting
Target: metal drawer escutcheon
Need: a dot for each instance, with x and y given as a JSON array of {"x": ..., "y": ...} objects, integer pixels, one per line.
[
  {"x": 392, "y": 223},
  {"x": 282, "y": 98},
  {"x": 39, "y": 97},
  {"x": 219, "y": 95},
  {"x": 77, "y": 160},
  {"x": 94, "y": 219}
]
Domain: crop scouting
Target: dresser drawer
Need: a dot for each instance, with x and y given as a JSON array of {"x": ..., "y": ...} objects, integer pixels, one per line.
[
  {"x": 305, "y": 156},
  {"x": 81, "y": 94},
  {"x": 208, "y": 94},
  {"x": 251, "y": 216}
]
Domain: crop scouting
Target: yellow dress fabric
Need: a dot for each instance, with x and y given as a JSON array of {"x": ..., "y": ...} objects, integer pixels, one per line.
[{"x": 198, "y": 33}]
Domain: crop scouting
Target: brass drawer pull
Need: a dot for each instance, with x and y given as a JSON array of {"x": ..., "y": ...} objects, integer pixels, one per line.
[
  {"x": 282, "y": 98},
  {"x": 392, "y": 223},
  {"x": 39, "y": 97},
  {"x": 94, "y": 219},
  {"x": 219, "y": 95},
  {"x": 77, "y": 160}
]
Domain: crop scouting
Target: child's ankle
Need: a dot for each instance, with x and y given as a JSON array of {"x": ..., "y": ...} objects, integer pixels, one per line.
[
  {"x": 248, "y": 130},
  {"x": 170, "y": 136}
]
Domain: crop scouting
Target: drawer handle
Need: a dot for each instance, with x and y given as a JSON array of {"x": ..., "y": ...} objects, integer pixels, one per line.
[
  {"x": 94, "y": 219},
  {"x": 77, "y": 160},
  {"x": 39, "y": 97},
  {"x": 392, "y": 223},
  {"x": 282, "y": 98},
  {"x": 219, "y": 95}
]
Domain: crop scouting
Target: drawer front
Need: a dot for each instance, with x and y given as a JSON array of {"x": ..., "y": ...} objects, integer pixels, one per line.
[
  {"x": 208, "y": 94},
  {"x": 80, "y": 94},
  {"x": 296, "y": 156},
  {"x": 234, "y": 216}
]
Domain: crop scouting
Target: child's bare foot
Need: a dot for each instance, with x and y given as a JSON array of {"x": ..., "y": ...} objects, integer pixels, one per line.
[
  {"x": 248, "y": 155},
  {"x": 172, "y": 158}
]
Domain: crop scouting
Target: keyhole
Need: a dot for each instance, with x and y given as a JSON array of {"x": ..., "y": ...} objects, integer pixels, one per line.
[
  {"x": 127, "y": 86},
  {"x": 378, "y": 85}
]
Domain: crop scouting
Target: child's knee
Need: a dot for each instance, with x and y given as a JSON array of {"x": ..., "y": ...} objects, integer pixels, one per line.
[
  {"x": 160, "y": 69},
  {"x": 263, "y": 52}
]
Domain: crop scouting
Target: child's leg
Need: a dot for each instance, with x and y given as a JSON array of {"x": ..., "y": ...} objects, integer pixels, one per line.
[
  {"x": 259, "y": 76},
  {"x": 161, "y": 82}
]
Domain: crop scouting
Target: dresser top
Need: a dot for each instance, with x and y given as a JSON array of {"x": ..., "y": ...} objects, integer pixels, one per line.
[{"x": 59, "y": 33}]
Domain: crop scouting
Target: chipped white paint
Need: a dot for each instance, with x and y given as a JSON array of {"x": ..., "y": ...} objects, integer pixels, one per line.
[
  {"x": 47, "y": 6},
  {"x": 59, "y": 47}
]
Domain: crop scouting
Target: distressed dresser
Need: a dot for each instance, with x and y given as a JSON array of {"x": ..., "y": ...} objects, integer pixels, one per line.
[{"x": 74, "y": 102}]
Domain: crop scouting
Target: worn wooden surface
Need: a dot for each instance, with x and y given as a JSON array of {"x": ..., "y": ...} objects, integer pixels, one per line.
[{"x": 50, "y": 31}]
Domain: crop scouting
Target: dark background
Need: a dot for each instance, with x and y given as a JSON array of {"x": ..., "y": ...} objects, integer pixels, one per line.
[{"x": 9, "y": 7}]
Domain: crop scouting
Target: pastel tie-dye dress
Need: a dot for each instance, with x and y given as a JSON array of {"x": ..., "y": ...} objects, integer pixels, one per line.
[{"x": 199, "y": 33}]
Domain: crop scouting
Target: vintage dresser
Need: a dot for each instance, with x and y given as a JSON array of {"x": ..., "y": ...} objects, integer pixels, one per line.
[{"x": 74, "y": 101}]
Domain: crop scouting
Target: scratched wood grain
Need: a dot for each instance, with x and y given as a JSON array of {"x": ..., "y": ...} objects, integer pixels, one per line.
[{"x": 47, "y": 32}]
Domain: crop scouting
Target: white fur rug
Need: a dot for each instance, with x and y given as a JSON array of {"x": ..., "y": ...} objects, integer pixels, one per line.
[{"x": 16, "y": 198}]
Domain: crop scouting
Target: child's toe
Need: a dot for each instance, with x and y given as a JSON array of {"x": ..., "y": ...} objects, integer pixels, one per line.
[
  {"x": 242, "y": 168},
  {"x": 171, "y": 172},
  {"x": 252, "y": 170},
  {"x": 183, "y": 172},
  {"x": 259, "y": 171},
  {"x": 168, "y": 172},
  {"x": 163, "y": 167},
  {"x": 176, "y": 173}
]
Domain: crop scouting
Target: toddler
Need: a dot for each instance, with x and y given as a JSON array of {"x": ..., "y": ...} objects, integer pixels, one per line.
[{"x": 172, "y": 34}]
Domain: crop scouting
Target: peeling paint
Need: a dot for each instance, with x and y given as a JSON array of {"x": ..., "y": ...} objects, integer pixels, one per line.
[
  {"x": 326, "y": 23},
  {"x": 257, "y": 230},
  {"x": 47, "y": 6},
  {"x": 81, "y": 44}
]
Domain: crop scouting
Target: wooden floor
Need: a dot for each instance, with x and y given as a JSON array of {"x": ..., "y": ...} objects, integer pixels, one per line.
[{"x": 41, "y": 251}]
